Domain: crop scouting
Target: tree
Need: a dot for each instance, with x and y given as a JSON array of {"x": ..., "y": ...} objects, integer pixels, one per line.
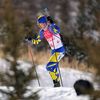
[{"x": 14, "y": 33}]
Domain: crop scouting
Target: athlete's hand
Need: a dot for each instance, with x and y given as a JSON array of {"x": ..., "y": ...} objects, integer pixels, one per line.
[{"x": 36, "y": 41}]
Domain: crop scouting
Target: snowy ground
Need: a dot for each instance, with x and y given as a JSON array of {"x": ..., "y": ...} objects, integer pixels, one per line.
[
  {"x": 69, "y": 76},
  {"x": 47, "y": 92}
]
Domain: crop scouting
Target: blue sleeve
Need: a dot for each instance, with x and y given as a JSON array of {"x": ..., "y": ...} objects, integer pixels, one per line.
[
  {"x": 41, "y": 34},
  {"x": 54, "y": 28}
]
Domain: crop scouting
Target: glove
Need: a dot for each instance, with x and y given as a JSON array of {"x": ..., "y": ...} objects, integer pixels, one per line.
[
  {"x": 28, "y": 39},
  {"x": 36, "y": 41}
]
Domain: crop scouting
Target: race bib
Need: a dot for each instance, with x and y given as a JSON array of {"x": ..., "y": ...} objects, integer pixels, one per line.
[{"x": 54, "y": 40}]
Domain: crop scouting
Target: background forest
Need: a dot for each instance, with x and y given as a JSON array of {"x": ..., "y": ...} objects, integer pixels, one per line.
[{"x": 79, "y": 21}]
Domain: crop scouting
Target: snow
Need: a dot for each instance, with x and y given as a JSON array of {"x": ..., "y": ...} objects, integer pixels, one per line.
[
  {"x": 4, "y": 65},
  {"x": 59, "y": 94},
  {"x": 46, "y": 90},
  {"x": 69, "y": 76}
]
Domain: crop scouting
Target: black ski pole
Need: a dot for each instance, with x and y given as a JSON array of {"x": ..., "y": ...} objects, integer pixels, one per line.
[{"x": 30, "y": 51}]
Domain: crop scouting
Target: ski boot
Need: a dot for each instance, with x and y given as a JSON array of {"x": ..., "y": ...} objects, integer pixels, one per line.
[{"x": 56, "y": 83}]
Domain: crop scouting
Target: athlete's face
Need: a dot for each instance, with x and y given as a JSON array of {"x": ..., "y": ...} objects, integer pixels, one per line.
[{"x": 42, "y": 25}]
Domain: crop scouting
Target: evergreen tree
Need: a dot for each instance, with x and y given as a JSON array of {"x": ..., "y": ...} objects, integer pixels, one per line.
[{"x": 13, "y": 42}]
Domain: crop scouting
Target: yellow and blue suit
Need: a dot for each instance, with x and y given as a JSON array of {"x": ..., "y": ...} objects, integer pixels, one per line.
[
  {"x": 53, "y": 63},
  {"x": 52, "y": 35}
]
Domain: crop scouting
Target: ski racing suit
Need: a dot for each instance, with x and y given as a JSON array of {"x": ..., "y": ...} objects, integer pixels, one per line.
[{"x": 52, "y": 35}]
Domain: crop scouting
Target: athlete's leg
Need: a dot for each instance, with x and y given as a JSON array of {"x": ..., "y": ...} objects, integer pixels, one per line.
[{"x": 52, "y": 65}]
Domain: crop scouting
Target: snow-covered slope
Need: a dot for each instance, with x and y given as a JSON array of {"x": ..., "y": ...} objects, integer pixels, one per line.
[
  {"x": 60, "y": 93},
  {"x": 69, "y": 76},
  {"x": 47, "y": 92}
]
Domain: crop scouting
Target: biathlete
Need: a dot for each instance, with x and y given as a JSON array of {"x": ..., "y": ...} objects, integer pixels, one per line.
[{"x": 51, "y": 32}]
